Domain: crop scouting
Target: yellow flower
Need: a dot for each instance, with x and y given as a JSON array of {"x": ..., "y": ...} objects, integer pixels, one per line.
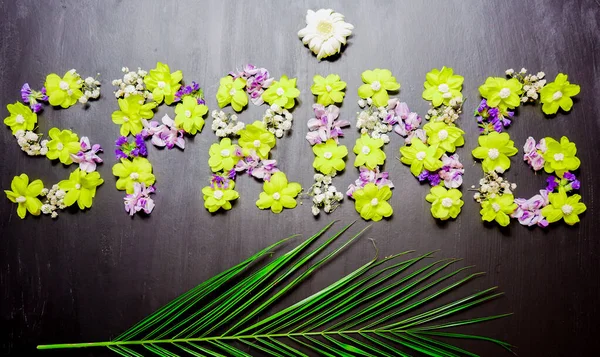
[
  {"x": 371, "y": 202},
  {"x": 21, "y": 117},
  {"x": 441, "y": 86},
  {"x": 62, "y": 145},
  {"x": 222, "y": 156},
  {"x": 494, "y": 149},
  {"x": 282, "y": 93},
  {"x": 560, "y": 157},
  {"x": 558, "y": 94},
  {"x": 132, "y": 111},
  {"x": 328, "y": 90},
  {"x": 63, "y": 91},
  {"x": 498, "y": 209},
  {"x": 329, "y": 157},
  {"x": 25, "y": 195},
  {"x": 256, "y": 137},
  {"x": 81, "y": 188},
  {"x": 448, "y": 137},
  {"x": 278, "y": 193},
  {"x": 444, "y": 203},
  {"x": 377, "y": 84},
  {"x": 189, "y": 115},
  {"x": 232, "y": 91},
  {"x": 218, "y": 197},
  {"x": 368, "y": 152},
  {"x": 501, "y": 93},
  {"x": 129, "y": 172},
  {"x": 563, "y": 206},
  {"x": 162, "y": 83},
  {"x": 419, "y": 156}
]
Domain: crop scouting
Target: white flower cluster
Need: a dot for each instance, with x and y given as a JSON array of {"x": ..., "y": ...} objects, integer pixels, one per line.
[
  {"x": 90, "y": 89},
  {"x": 277, "y": 120},
  {"x": 370, "y": 120},
  {"x": 493, "y": 185},
  {"x": 324, "y": 195},
  {"x": 225, "y": 124},
  {"x": 132, "y": 84},
  {"x": 532, "y": 83},
  {"x": 31, "y": 144},
  {"x": 446, "y": 113},
  {"x": 54, "y": 200}
]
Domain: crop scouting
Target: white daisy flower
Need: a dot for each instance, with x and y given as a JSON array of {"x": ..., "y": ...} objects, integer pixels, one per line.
[{"x": 325, "y": 32}]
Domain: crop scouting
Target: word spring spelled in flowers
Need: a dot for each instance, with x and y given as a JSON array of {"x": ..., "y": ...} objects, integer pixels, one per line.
[
  {"x": 62, "y": 145},
  {"x": 501, "y": 97},
  {"x": 139, "y": 93},
  {"x": 430, "y": 151},
  {"x": 254, "y": 141}
]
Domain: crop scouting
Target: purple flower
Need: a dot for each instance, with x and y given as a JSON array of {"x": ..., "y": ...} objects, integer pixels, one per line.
[
  {"x": 529, "y": 211},
  {"x": 569, "y": 176},
  {"x": 140, "y": 199},
  {"x": 406, "y": 122},
  {"x": 255, "y": 166},
  {"x": 325, "y": 125},
  {"x": 452, "y": 171},
  {"x": 576, "y": 185},
  {"x": 219, "y": 181},
  {"x": 33, "y": 97},
  {"x": 87, "y": 157},
  {"x": 25, "y": 92},
  {"x": 552, "y": 183},
  {"x": 191, "y": 90},
  {"x": 120, "y": 154},
  {"x": 369, "y": 176},
  {"x": 166, "y": 134},
  {"x": 136, "y": 148},
  {"x": 121, "y": 140},
  {"x": 432, "y": 176}
]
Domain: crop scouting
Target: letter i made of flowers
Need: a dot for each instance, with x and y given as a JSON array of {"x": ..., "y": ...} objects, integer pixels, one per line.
[
  {"x": 372, "y": 190},
  {"x": 254, "y": 142},
  {"x": 495, "y": 114},
  {"x": 325, "y": 129},
  {"x": 430, "y": 151},
  {"x": 139, "y": 93}
]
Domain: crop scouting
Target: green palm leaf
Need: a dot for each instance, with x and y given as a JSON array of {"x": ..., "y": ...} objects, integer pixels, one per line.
[{"x": 376, "y": 310}]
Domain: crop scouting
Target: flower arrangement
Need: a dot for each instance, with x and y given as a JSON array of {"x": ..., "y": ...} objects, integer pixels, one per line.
[
  {"x": 430, "y": 151},
  {"x": 372, "y": 190},
  {"x": 138, "y": 94},
  {"x": 325, "y": 129},
  {"x": 501, "y": 97},
  {"x": 62, "y": 145},
  {"x": 325, "y": 32},
  {"x": 251, "y": 152}
]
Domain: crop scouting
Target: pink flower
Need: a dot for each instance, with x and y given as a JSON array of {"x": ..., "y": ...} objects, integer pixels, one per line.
[
  {"x": 140, "y": 199},
  {"x": 452, "y": 171},
  {"x": 254, "y": 166},
  {"x": 533, "y": 153},
  {"x": 399, "y": 108},
  {"x": 87, "y": 157},
  {"x": 166, "y": 134},
  {"x": 529, "y": 211},
  {"x": 325, "y": 125},
  {"x": 369, "y": 176}
]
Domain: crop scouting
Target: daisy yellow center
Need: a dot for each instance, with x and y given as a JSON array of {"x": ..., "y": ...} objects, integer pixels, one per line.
[
  {"x": 225, "y": 153},
  {"x": 161, "y": 84},
  {"x": 256, "y": 143},
  {"x": 21, "y": 199},
  {"x": 374, "y": 202},
  {"x": 447, "y": 202},
  {"x": 567, "y": 209},
  {"x": 20, "y": 119},
  {"x": 125, "y": 119},
  {"x": 376, "y": 85},
  {"x": 443, "y": 88},
  {"x": 280, "y": 91},
  {"x": 134, "y": 176},
  {"x": 325, "y": 28},
  {"x": 188, "y": 114},
  {"x": 559, "y": 157},
  {"x": 78, "y": 187},
  {"x": 60, "y": 146},
  {"x": 493, "y": 153},
  {"x": 557, "y": 95},
  {"x": 218, "y": 194},
  {"x": 328, "y": 88},
  {"x": 443, "y": 134},
  {"x": 504, "y": 93},
  {"x": 421, "y": 155},
  {"x": 232, "y": 92},
  {"x": 276, "y": 196},
  {"x": 496, "y": 207},
  {"x": 63, "y": 85},
  {"x": 327, "y": 155},
  {"x": 365, "y": 150}
]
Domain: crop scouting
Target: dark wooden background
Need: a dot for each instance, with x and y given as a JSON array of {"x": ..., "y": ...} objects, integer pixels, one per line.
[{"x": 90, "y": 275}]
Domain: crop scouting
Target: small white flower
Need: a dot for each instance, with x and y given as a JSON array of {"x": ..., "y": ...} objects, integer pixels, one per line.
[
  {"x": 325, "y": 32},
  {"x": 315, "y": 210}
]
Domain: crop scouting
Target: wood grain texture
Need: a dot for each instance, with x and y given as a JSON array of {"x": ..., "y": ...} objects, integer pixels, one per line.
[{"x": 89, "y": 276}]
